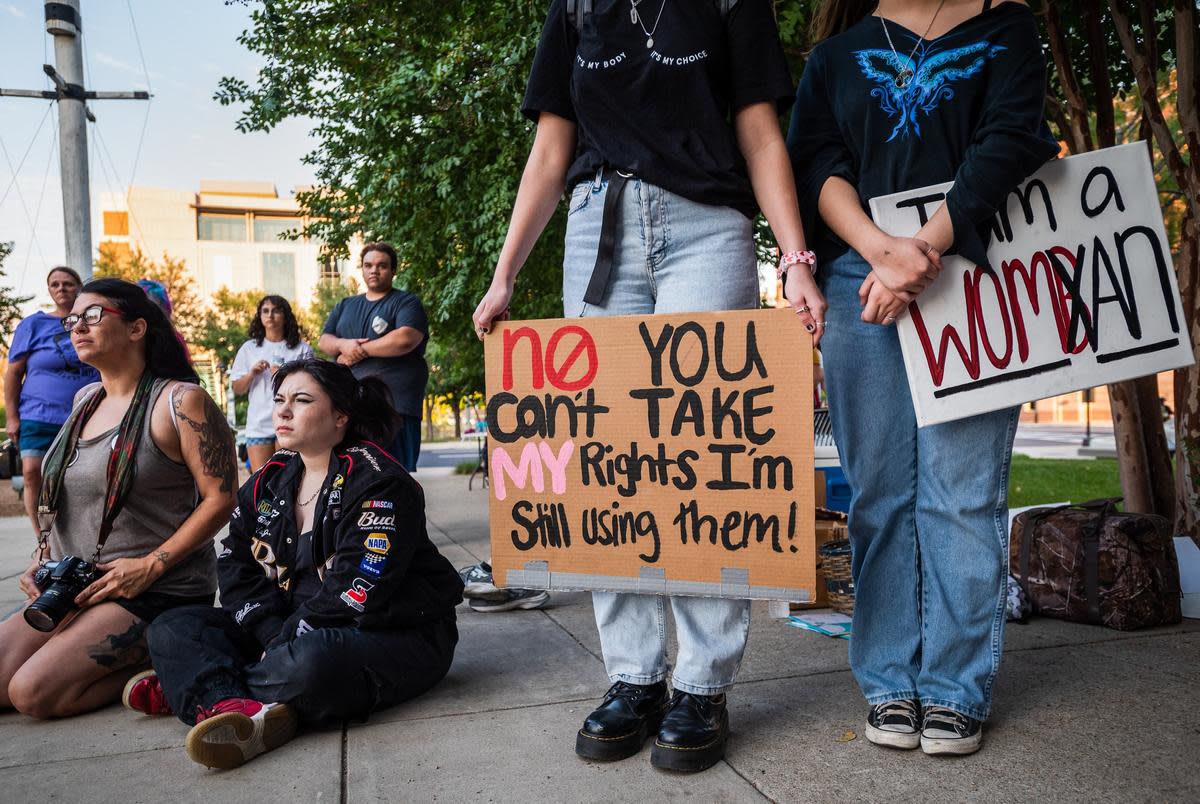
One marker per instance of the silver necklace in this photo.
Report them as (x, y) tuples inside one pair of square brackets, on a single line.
[(905, 76), (636, 17), (313, 497)]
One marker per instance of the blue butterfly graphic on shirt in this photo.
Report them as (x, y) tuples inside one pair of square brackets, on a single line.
[(932, 74)]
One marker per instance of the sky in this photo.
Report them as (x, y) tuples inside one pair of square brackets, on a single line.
[(188, 46)]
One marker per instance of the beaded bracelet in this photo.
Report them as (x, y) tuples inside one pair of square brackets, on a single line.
[(795, 258)]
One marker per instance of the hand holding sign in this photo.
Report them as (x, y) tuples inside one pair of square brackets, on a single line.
[(1080, 291)]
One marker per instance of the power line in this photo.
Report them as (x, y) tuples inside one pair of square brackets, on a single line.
[(37, 213), (27, 150)]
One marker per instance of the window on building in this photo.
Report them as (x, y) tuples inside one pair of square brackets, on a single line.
[(279, 274), (116, 223), (332, 267), (226, 228), (268, 228)]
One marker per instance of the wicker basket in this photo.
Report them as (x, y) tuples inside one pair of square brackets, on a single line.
[(834, 566)]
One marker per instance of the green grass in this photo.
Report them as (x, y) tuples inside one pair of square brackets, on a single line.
[(466, 468), (1034, 481)]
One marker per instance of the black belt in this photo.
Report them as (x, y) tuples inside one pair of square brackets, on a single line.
[(608, 236)]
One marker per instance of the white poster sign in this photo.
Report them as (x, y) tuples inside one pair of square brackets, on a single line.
[(1081, 293)]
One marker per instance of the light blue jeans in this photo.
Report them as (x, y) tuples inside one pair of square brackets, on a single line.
[(672, 255), (928, 518)]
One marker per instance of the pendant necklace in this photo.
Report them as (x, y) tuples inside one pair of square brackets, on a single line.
[(636, 17), (905, 76)]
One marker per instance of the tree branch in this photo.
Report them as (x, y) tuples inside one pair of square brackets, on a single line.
[(1080, 139), (1147, 83), (1186, 77), (1106, 124)]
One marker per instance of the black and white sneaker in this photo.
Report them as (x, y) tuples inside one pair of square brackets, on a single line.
[(949, 732), (895, 724), (511, 599), (478, 584)]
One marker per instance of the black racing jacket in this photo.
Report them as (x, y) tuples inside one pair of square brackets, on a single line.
[(377, 566)]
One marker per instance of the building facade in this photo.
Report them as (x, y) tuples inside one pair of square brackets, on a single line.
[(229, 233)]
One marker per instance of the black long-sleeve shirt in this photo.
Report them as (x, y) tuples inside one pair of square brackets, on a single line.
[(972, 114)]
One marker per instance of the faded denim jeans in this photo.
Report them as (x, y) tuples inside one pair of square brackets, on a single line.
[(671, 255), (928, 518)]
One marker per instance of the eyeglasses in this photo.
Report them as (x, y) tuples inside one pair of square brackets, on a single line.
[(91, 316)]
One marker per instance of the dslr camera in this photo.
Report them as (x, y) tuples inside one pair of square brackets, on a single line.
[(59, 582)]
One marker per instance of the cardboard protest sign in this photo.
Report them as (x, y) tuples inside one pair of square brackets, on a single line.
[(663, 454), (1083, 291)]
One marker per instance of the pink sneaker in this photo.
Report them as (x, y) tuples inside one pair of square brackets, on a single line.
[(236, 730), (144, 694)]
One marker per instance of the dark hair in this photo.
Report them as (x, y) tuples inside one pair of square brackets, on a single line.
[(291, 327), (386, 248), (62, 269), (166, 357), (835, 16), (367, 402)]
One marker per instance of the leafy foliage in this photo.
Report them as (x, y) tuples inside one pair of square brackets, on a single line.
[(10, 302), (223, 326), (421, 142), (326, 295), (187, 307)]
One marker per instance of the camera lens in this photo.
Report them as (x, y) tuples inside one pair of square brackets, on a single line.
[(45, 613)]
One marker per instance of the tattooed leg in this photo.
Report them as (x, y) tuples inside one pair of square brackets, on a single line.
[(118, 651), (83, 665)]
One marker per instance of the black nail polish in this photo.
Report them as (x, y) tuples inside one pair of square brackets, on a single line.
[(809, 327)]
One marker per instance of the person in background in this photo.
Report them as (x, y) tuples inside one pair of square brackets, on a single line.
[(274, 339), (334, 601), (42, 378), (382, 333), (896, 96)]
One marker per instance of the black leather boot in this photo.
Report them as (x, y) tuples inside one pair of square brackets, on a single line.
[(693, 734), (618, 728)]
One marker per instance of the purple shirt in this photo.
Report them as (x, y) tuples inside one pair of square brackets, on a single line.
[(53, 372)]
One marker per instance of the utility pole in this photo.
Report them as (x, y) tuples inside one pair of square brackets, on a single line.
[(64, 23)]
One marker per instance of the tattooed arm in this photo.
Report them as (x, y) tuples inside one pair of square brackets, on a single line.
[(204, 442)]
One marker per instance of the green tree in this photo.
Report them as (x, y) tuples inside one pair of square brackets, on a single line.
[(1124, 71), (421, 142), (325, 296), (187, 307), (10, 302), (222, 327)]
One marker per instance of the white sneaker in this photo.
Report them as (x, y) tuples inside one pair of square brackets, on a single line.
[(237, 730)]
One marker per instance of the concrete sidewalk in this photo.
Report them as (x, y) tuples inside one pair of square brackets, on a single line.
[(1082, 714)]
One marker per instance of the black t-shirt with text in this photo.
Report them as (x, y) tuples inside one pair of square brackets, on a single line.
[(663, 113), (406, 375)]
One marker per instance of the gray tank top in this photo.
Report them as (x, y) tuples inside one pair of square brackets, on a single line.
[(162, 497)]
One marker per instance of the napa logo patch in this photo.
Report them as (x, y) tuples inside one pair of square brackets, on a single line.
[(373, 564), (378, 543)]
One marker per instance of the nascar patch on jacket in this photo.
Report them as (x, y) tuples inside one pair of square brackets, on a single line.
[(373, 564)]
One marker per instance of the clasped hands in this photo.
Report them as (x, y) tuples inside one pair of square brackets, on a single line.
[(352, 351), (901, 269)]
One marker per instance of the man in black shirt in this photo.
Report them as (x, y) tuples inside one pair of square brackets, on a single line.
[(382, 333)]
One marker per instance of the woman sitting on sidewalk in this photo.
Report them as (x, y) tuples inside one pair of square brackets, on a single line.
[(137, 483), (335, 603)]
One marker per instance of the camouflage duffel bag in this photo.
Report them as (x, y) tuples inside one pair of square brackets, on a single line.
[(1091, 563)]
